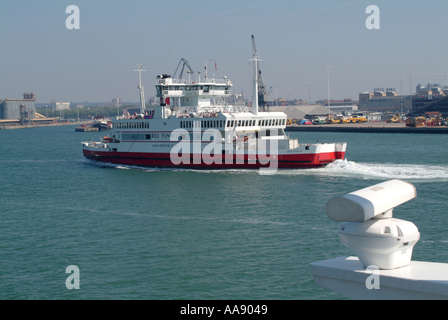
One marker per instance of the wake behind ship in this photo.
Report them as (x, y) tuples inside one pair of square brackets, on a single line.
[(193, 127)]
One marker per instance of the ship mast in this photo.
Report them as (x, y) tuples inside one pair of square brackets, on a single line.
[(255, 95), (263, 97), (140, 87)]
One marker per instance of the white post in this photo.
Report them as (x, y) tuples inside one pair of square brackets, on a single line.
[(255, 98), (255, 94), (410, 87), (328, 71), (309, 92), (142, 94), (276, 97), (401, 98)]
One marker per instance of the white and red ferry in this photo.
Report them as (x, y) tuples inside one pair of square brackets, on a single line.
[(193, 127)]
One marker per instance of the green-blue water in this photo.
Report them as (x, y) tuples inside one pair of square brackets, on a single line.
[(136, 233)]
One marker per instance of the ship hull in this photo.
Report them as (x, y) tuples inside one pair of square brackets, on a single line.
[(198, 161)]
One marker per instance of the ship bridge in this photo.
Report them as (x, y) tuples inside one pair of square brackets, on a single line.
[(187, 93)]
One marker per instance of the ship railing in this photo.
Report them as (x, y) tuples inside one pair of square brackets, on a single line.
[(209, 112), (225, 81), (186, 81), (185, 92), (134, 117), (198, 115), (213, 113)]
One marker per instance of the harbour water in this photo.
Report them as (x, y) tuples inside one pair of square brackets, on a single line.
[(137, 233)]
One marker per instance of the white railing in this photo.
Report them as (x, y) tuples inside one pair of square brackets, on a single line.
[(211, 111), (168, 81)]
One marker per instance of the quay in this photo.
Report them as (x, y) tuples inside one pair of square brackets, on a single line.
[(369, 127), (39, 125), (85, 129)]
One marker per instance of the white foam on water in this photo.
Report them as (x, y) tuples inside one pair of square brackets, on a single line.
[(147, 169), (339, 168), (351, 169)]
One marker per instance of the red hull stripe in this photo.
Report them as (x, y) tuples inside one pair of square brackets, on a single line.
[(163, 160)]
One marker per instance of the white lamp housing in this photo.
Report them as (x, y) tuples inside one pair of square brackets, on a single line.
[(376, 201), (369, 230)]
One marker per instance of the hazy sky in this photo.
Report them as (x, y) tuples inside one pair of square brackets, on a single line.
[(296, 39)]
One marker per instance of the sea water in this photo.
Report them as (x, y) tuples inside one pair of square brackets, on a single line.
[(139, 233)]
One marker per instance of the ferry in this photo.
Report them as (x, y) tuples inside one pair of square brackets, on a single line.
[(194, 127)]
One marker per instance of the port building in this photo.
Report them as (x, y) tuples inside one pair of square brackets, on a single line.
[(11, 109), (381, 100), (55, 106), (429, 98), (337, 103), (116, 102), (21, 112)]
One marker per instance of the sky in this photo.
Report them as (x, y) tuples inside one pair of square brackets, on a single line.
[(296, 40)]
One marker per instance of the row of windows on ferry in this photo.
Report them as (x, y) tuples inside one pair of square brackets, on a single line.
[(207, 124), (190, 88), (232, 123), (261, 123), (131, 125)]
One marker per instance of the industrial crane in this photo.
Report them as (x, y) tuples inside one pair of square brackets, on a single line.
[(263, 97), (185, 63)]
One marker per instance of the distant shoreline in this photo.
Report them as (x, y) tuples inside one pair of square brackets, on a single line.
[(369, 127), (42, 125)]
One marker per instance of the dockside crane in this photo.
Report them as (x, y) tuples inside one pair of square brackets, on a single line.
[(185, 64), (263, 97)]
